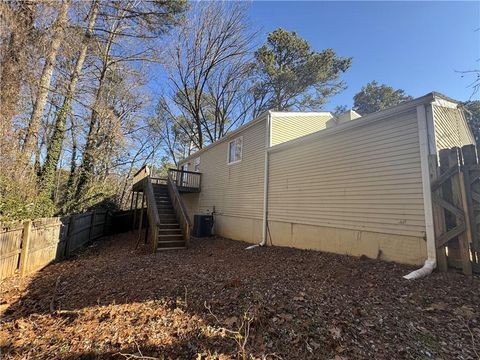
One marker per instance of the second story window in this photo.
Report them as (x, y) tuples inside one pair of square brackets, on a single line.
[(235, 150)]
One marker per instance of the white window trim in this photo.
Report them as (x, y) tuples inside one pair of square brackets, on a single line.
[(228, 151), (196, 163)]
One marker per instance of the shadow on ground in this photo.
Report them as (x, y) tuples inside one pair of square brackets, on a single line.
[(113, 298)]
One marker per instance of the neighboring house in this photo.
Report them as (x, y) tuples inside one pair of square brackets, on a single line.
[(350, 185)]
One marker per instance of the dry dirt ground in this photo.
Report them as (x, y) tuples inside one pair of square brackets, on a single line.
[(218, 300)]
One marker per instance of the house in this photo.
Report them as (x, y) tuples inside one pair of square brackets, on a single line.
[(351, 184)]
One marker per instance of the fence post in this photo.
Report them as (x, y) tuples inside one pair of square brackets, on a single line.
[(471, 188), (71, 232), (438, 215), (460, 250), (27, 229), (92, 226), (105, 222)]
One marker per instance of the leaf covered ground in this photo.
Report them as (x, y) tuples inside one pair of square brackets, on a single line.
[(218, 300)]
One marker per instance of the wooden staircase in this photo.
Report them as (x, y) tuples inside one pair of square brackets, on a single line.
[(169, 225), (170, 235)]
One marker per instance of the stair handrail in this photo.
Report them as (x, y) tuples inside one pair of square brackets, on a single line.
[(179, 207), (143, 181)]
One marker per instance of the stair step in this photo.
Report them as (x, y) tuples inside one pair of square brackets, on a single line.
[(170, 232), (171, 242), (169, 226), (165, 209), (168, 237), (172, 248)]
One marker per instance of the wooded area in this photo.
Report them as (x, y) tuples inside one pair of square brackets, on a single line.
[(92, 91)]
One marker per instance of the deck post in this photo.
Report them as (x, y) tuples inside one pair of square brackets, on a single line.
[(140, 222), (135, 194)]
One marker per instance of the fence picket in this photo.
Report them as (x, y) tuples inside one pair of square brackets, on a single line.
[(27, 247)]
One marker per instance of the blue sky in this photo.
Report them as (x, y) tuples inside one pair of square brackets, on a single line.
[(415, 46)]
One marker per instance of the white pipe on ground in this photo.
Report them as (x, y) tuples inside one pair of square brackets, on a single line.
[(427, 269), (265, 185)]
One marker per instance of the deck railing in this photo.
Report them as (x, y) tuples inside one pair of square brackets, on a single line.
[(143, 182), (152, 212), (186, 180), (141, 174)]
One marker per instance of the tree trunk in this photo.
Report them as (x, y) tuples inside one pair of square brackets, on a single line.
[(85, 171), (56, 141), (13, 64), (31, 137)]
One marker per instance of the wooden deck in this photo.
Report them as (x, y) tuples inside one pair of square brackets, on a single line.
[(186, 181)]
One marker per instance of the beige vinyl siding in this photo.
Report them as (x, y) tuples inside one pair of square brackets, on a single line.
[(234, 189), (361, 178), (289, 126), (451, 128)]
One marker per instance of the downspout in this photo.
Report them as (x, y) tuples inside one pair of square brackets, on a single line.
[(268, 143), (426, 133)]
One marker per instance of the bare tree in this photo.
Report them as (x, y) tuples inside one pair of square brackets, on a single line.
[(136, 25), (21, 17), (58, 28), (56, 140), (209, 73)]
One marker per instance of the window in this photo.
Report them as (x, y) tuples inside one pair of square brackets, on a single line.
[(197, 164), (235, 150)]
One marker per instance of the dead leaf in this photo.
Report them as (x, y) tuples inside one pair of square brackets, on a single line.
[(465, 311), (335, 332), (437, 306)]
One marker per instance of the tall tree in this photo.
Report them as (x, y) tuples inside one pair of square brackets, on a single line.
[(121, 21), (58, 28), (55, 145), (293, 76), (13, 62), (374, 97), (210, 72)]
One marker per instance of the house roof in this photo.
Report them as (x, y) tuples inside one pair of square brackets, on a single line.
[(405, 106), (428, 98)]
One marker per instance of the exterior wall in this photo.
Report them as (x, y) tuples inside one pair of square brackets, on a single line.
[(388, 247), (357, 190), (289, 126), (235, 190), (239, 228), (451, 128)]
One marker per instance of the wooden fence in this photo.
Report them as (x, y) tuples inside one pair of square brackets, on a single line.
[(456, 208), (28, 246)]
